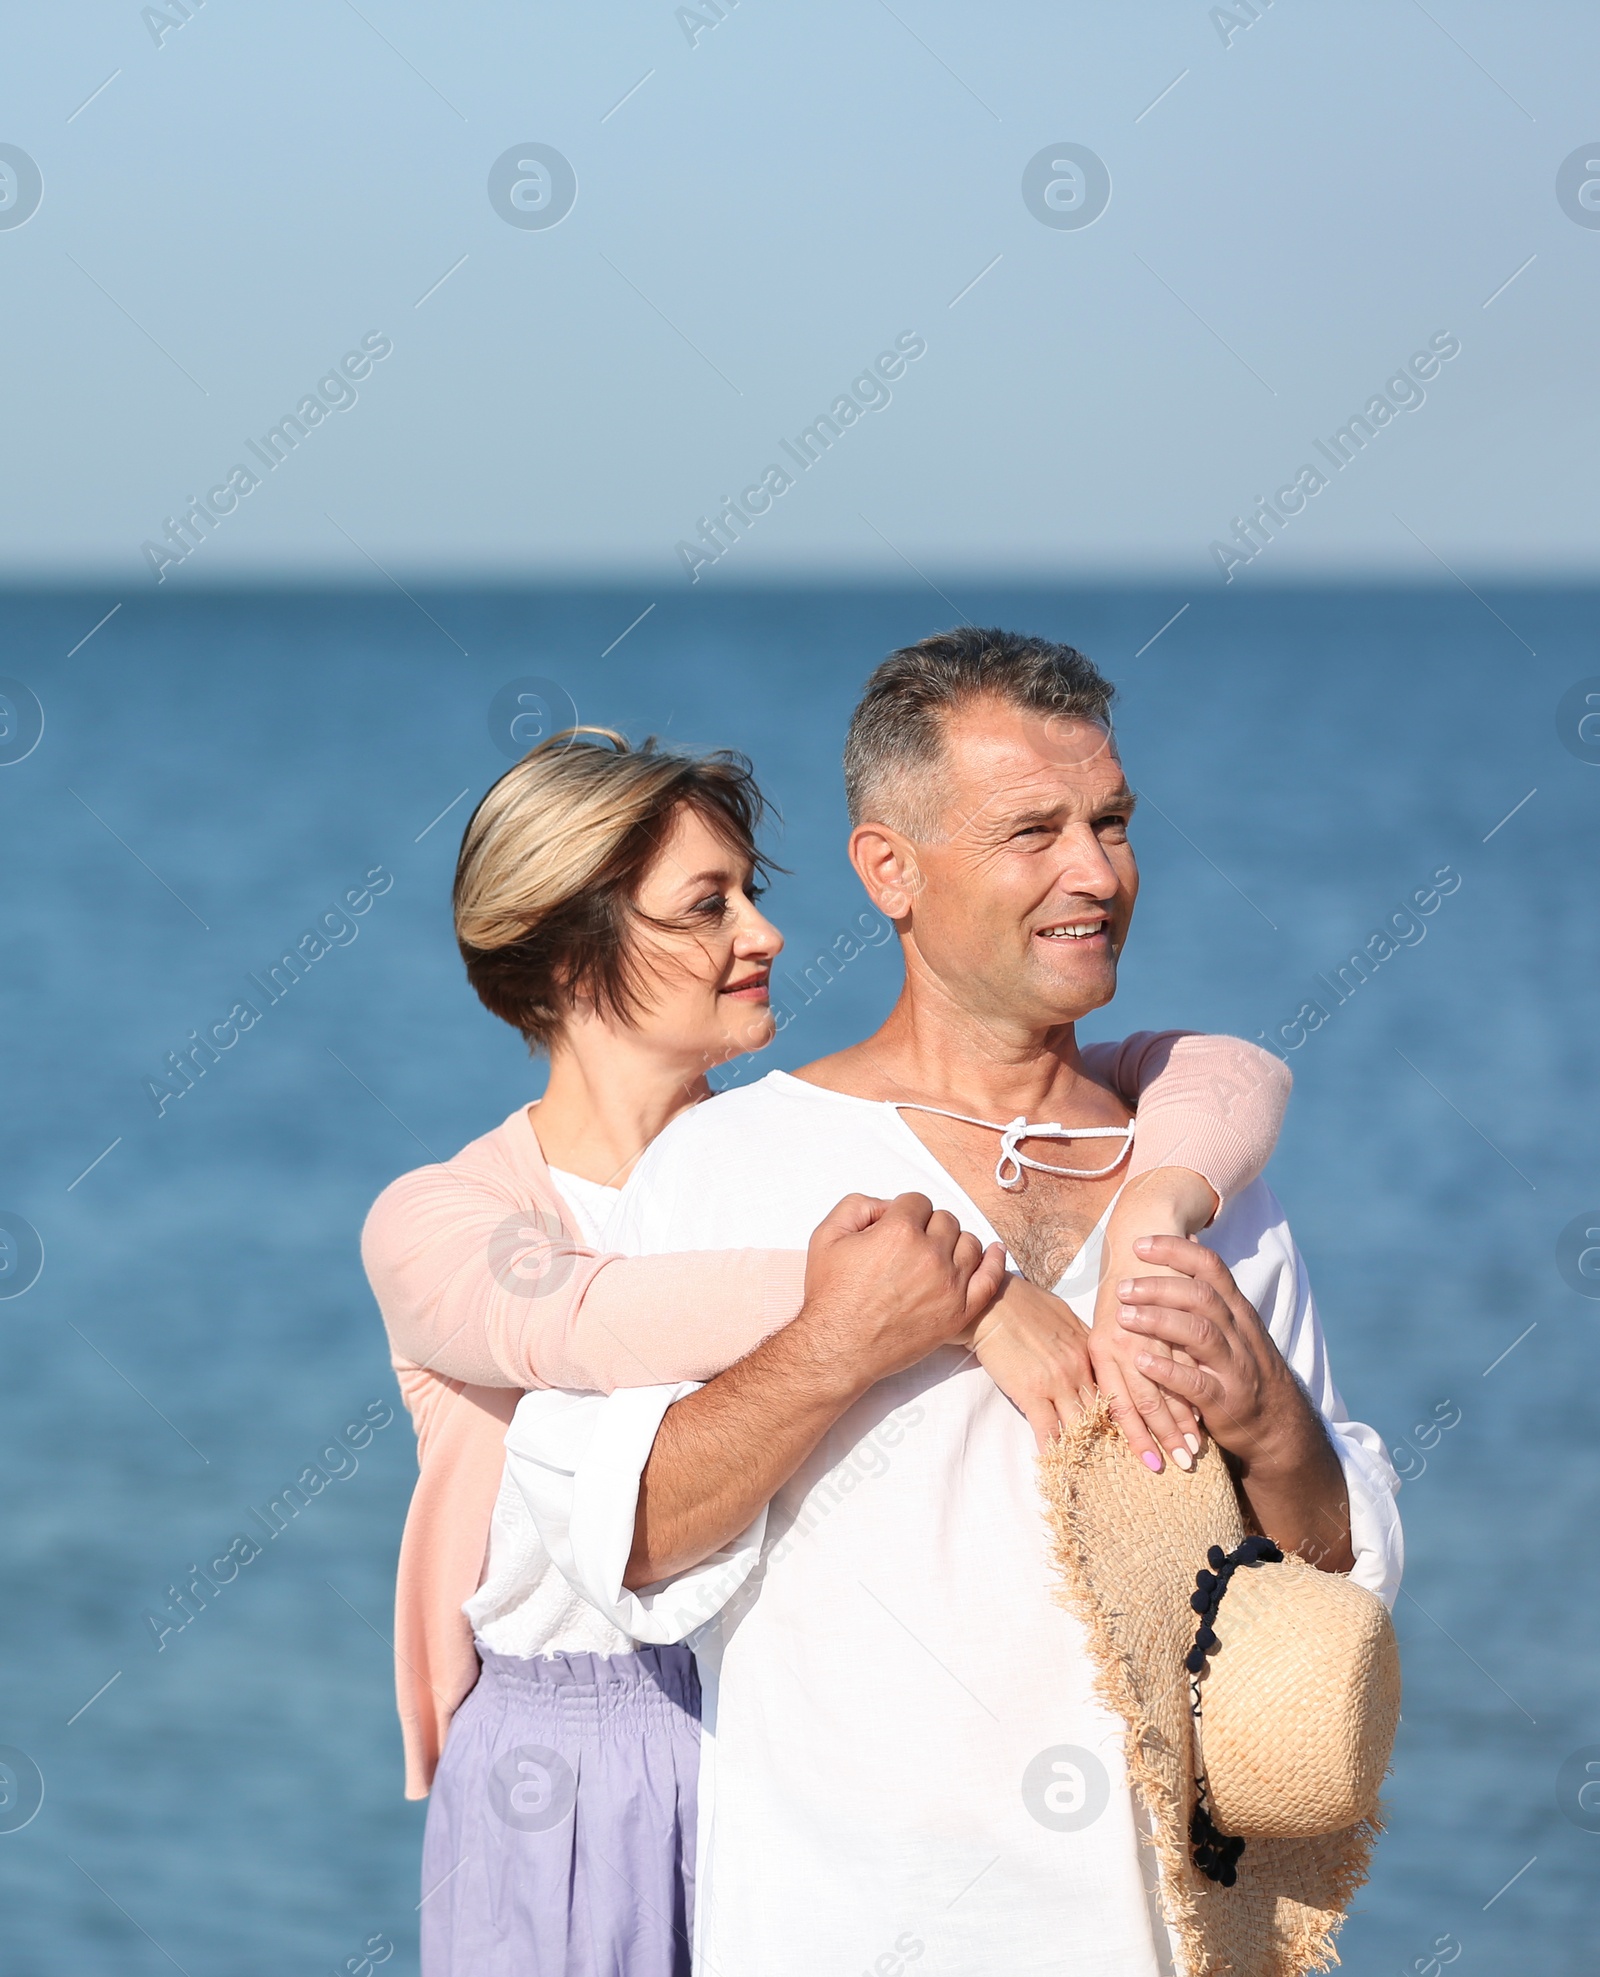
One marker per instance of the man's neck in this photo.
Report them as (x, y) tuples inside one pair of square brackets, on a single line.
[(931, 1051)]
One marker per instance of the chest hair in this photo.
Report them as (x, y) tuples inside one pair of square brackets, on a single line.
[(1047, 1219)]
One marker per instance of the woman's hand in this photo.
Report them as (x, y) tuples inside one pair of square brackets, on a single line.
[(1048, 1363), (1036, 1350), (1170, 1201)]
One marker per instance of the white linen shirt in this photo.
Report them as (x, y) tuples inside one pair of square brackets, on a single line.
[(888, 1674)]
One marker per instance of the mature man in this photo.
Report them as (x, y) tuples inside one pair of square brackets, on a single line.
[(847, 1523)]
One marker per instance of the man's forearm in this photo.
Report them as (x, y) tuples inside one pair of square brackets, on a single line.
[(1299, 1499), (724, 1452), (885, 1286)]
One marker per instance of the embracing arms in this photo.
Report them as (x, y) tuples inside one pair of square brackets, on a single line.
[(477, 1283), (1313, 1481)]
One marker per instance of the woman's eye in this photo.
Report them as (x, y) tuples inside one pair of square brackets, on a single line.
[(714, 905), (753, 892)]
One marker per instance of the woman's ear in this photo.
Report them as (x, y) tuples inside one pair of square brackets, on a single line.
[(886, 864)]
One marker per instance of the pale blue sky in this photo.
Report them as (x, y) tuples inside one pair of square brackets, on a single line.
[(772, 207)]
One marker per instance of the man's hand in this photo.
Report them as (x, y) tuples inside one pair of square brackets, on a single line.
[(1234, 1376), (889, 1282), (1036, 1350), (1168, 1201), (886, 1284)]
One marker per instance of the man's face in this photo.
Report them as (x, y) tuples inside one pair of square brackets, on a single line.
[(1026, 894)]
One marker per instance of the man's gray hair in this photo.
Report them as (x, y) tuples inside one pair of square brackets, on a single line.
[(897, 733)]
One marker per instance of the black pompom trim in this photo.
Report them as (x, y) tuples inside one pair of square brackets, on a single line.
[(1215, 1854)]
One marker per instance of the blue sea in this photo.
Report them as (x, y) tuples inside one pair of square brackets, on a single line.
[(218, 774)]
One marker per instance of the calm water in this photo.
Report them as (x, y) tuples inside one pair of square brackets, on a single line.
[(216, 773)]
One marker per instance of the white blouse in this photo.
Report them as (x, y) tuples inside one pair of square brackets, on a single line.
[(523, 1605)]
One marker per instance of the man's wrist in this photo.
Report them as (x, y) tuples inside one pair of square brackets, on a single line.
[(1290, 1446), (819, 1339)]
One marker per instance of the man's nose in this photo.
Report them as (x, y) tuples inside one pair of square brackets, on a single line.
[(1085, 869)]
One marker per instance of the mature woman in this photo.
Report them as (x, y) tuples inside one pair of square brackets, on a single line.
[(605, 904)]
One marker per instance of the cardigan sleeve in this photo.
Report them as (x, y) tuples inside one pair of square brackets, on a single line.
[(477, 1280), (1212, 1104)]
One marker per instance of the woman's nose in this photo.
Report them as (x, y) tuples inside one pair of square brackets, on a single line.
[(756, 936)]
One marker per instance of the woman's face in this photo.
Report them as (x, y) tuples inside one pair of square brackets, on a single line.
[(706, 975)]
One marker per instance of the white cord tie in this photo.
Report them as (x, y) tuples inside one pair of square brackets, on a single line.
[(1013, 1158)]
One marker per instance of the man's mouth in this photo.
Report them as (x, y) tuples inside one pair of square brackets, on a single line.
[(1077, 930), (750, 988)]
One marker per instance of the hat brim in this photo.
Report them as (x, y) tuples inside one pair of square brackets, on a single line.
[(1127, 1543)]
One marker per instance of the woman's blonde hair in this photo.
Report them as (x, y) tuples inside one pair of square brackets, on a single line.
[(551, 862)]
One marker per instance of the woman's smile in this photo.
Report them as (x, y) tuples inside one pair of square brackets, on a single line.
[(750, 988)]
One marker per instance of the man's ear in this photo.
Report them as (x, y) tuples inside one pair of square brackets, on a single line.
[(887, 865)]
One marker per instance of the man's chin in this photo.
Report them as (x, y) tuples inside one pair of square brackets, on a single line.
[(1070, 993)]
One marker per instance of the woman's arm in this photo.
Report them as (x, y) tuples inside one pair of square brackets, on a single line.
[(479, 1283), (1213, 1105), (1209, 1111)]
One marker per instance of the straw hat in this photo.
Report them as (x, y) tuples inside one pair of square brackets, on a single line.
[(1261, 1704)]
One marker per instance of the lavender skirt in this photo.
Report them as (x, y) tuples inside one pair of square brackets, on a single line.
[(560, 1836)]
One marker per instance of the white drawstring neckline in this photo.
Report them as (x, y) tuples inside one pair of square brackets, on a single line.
[(1011, 1155)]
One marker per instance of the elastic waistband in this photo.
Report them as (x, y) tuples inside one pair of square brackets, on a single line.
[(582, 1684)]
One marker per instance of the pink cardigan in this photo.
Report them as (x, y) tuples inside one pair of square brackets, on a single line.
[(467, 1340)]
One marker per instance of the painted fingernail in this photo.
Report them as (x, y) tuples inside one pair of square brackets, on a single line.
[(1193, 1443), (1183, 1458), (1125, 1287), (1152, 1460)]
